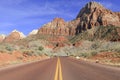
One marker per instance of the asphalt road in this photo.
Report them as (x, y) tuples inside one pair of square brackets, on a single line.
[(80, 70), (62, 68)]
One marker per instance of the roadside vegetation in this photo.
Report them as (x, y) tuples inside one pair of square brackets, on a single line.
[(108, 33), (102, 51), (14, 54)]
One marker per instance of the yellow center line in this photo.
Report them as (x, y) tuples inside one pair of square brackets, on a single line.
[(58, 72)]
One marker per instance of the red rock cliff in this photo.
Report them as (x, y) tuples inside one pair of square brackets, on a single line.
[(92, 15)]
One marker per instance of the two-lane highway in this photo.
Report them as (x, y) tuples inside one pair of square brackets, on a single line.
[(62, 68)]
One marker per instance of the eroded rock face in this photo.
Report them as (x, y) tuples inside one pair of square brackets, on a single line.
[(94, 14), (56, 27), (14, 36), (59, 27)]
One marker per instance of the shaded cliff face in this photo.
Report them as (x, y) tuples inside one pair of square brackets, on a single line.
[(92, 15)]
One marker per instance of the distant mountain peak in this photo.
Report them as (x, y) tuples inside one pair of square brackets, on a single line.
[(15, 30), (3, 36), (14, 36), (94, 14), (90, 8), (58, 19), (94, 4), (21, 34), (55, 23), (35, 31)]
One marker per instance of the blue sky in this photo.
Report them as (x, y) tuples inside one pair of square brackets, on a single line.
[(26, 15)]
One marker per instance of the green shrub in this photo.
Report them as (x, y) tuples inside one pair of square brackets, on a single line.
[(93, 53), (40, 48), (83, 55), (95, 45)]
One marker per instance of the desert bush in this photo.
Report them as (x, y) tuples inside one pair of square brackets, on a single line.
[(28, 52), (40, 48), (95, 45), (93, 53), (87, 55), (83, 55), (117, 50), (9, 48)]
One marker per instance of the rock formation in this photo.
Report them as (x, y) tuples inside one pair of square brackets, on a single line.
[(56, 27), (14, 36), (92, 15)]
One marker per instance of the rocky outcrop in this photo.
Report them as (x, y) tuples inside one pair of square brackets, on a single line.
[(56, 27), (118, 13), (14, 36), (2, 37), (59, 27), (94, 14)]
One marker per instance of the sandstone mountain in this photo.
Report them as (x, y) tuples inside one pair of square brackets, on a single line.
[(59, 27), (94, 14), (14, 36), (91, 16), (55, 27)]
